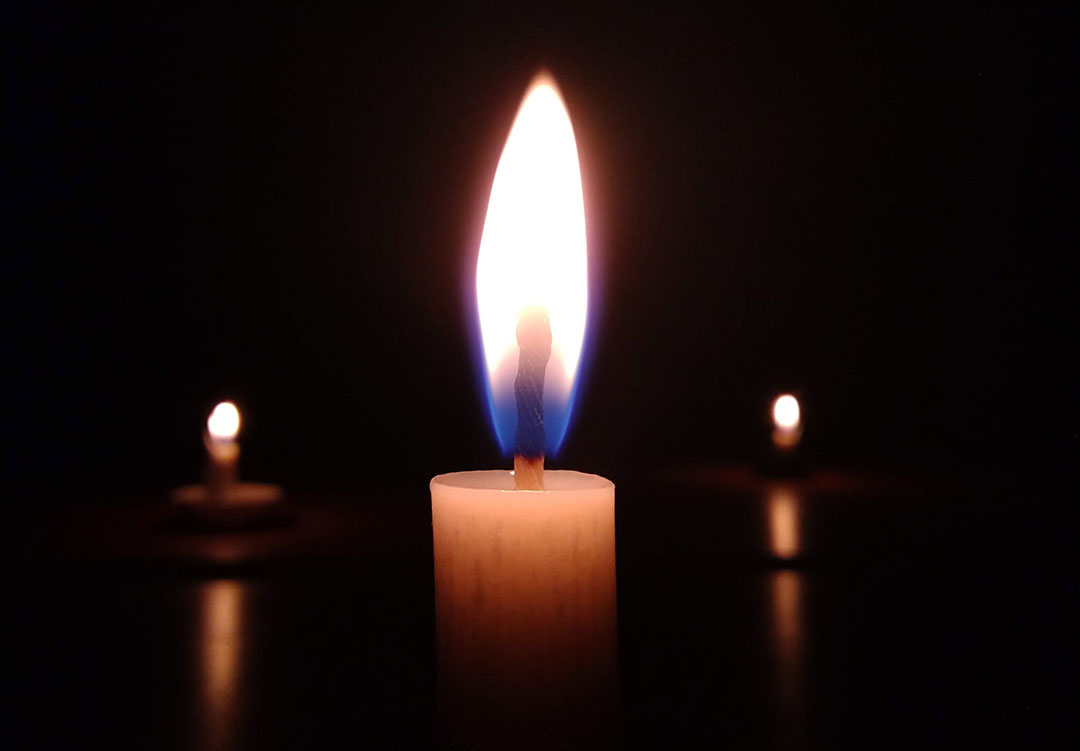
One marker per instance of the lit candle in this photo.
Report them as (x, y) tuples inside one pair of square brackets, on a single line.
[(787, 422), (222, 450), (525, 559), (222, 499)]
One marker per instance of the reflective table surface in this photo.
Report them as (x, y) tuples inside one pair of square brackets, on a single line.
[(825, 610)]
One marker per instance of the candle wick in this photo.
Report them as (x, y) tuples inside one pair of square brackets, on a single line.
[(534, 351)]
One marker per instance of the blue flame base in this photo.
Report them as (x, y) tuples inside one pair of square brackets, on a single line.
[(558, 407)]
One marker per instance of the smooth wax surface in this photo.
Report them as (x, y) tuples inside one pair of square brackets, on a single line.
[(525, 599)]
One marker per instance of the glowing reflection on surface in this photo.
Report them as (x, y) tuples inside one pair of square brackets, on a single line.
[(787, 613), (222, 608), (783, 511), (788, 629)]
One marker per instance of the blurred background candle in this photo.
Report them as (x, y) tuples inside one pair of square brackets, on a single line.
[(525, 579), (223, 452), (787, 422), (222, 500)]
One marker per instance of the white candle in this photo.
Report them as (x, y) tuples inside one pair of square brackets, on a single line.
[(524, 600)]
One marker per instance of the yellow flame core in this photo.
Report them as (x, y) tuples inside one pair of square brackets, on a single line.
[(786, 411), (532, 251), (224, 422)]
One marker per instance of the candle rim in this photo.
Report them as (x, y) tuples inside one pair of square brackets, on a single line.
[(501, 481)]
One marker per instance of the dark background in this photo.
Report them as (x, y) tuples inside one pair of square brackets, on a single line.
[(871, 206)]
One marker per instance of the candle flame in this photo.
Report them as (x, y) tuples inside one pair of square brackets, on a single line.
[(532, 254), (224, 422), (785, 412)]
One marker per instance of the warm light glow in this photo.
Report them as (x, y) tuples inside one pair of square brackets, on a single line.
[(788, 629), (532, 253), (222, 641), (787, 596), (783, 523), (785, 412), (224, 422), (222, 618)]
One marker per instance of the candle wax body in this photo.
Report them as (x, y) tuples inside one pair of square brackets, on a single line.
[(222, 459), (525, 602)]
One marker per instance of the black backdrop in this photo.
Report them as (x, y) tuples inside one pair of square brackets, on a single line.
[(870, 206)]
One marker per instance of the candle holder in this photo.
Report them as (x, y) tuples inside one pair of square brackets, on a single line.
[(242, 505)]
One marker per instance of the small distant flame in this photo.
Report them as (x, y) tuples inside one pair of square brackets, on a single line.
[(785, 412), (224, 422), (787, 422), (532, 254)]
